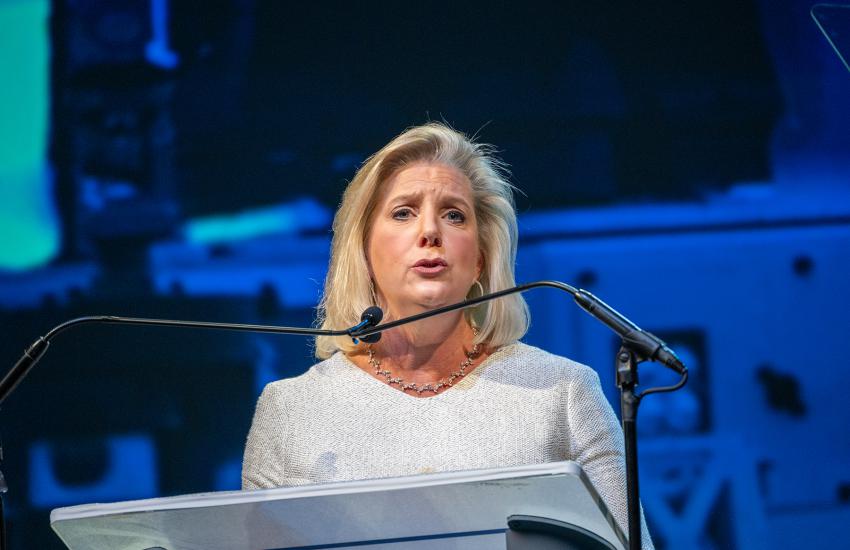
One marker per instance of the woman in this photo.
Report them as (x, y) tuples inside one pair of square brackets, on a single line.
[(426, 222)]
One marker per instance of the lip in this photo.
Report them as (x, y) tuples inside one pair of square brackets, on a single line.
[(430, 262), (430, 266)]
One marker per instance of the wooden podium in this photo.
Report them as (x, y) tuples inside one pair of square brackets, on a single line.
[(453, 510)]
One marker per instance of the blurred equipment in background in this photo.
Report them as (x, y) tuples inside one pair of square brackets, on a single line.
[(756, 299), (114, 135)]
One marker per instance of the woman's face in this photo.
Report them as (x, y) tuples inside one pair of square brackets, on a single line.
[(423, 241)]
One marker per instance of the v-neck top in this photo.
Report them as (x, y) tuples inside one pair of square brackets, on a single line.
[(521, 405)]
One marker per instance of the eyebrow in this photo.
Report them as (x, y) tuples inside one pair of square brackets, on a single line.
[(450, 197)]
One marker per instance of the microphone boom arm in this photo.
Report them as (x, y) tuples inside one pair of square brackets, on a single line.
[(32, 355), (646, 345)]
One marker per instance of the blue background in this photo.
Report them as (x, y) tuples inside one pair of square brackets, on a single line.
[(687, 163)]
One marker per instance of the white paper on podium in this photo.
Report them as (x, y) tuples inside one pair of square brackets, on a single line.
[(452, 510)]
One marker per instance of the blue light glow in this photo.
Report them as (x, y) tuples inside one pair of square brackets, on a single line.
[(304, 214)]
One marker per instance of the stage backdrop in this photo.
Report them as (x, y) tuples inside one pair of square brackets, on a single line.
[(687, 162)]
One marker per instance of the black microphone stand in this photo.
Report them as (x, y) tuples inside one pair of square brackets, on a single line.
[(637, 346)]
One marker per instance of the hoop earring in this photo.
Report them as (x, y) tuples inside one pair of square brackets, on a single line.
[(480, 286), (471, 313)]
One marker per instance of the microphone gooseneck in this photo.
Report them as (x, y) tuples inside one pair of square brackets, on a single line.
[(645, 344), (37, 349)]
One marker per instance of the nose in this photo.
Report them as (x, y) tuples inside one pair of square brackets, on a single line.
[(430, 232)]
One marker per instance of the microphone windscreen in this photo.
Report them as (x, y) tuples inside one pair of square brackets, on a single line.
[(373, 315)]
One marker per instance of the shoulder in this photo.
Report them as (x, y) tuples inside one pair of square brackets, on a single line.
[(316, 378), (530, 363), (524, 356)]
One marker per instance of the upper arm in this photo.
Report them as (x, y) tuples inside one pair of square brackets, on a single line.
[(596, 443), (596, 440), (263, 463)]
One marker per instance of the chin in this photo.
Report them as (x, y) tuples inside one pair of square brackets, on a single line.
[(433, 294)]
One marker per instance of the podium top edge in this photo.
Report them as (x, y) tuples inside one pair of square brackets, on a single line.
[(224, 498)]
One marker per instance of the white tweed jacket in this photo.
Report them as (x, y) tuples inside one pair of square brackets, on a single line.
[(521, 405)]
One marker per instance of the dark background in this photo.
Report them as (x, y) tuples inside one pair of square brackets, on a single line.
[(686, 161)]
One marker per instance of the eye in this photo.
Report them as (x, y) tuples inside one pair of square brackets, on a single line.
[(402, 214), (456, 216)]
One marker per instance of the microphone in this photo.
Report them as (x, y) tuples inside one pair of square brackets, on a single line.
[(370, 317), (645, 344)]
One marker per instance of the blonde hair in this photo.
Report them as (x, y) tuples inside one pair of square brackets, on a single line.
[(348, 286)]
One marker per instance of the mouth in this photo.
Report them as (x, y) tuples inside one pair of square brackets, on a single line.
[(430, 266), (430, 262)]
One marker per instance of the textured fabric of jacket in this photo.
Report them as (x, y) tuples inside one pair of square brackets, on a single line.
[(521, 405)]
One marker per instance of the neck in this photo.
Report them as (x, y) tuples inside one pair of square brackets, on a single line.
[(427, 349)]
